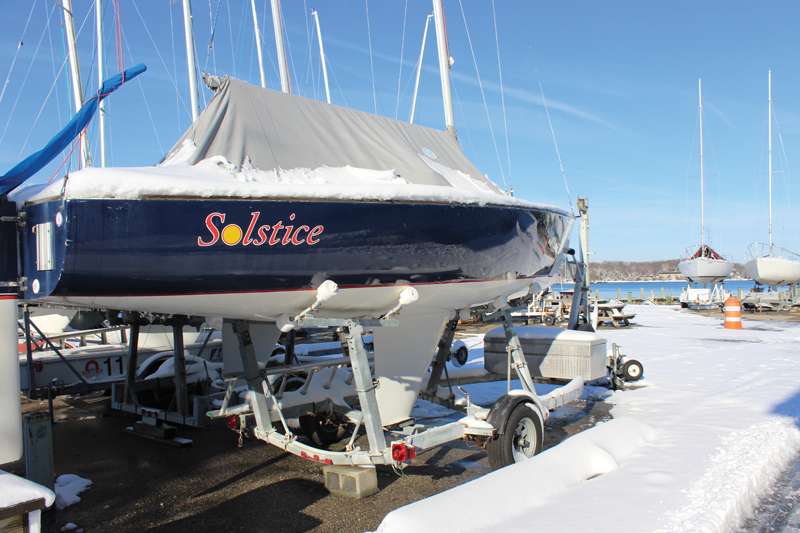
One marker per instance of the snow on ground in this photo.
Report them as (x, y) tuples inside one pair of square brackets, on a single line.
[(692, 447), (68, 487)]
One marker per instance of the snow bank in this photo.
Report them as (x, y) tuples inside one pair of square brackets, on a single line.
[(513, 494), (68, 487), (726, 407)]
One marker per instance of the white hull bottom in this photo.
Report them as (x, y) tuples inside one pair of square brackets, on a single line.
[(705, 270), (402, 353), (773, 271)]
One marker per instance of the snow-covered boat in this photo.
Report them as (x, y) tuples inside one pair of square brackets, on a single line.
[(704, 265), (270, 194), (764, 263)]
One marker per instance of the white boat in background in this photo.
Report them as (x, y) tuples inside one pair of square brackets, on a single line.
[(704, 265), (764, 263)]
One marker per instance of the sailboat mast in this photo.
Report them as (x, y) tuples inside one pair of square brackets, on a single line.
[(282, 63), (702, 179), (419, 70), (770, 161), (444, 66), (322, 57), (101, 74), (190, 58), (76, 74), (258, 44)]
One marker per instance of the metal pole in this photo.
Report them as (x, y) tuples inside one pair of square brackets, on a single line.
[(76, 74), (190, 58), (101, 71), (322, 57), (444, 66), (181, 396), (770, 161), (419, 70), (283, 67), (130, 375), (702, 183), (258, 43)]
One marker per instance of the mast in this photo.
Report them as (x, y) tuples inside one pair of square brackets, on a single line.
[(76, 75), (258, 44), (322, 57), (190, 58), (419, 70), (282, 64), (770, 161), (444, 66), (101, 108), (702, 182)]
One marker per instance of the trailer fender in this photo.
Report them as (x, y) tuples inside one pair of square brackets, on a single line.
[(503, 406)]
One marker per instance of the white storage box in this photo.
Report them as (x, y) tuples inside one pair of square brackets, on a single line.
[(551, 353)]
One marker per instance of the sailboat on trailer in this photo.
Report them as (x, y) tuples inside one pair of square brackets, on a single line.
[(704, 265), (764, 264)]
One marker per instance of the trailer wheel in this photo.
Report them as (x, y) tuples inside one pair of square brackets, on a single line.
[(460, 356), (549, 320), (323, 430), (522, 438), (632, 370)]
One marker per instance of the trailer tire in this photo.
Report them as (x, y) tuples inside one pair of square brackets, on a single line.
[(632, 370), (323, 430), (520, 439), (460, 356), (549, 320)]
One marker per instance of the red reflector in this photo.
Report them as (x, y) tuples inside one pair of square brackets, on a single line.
[(402, 453), (39, 366), (316, 458), (232, 422)]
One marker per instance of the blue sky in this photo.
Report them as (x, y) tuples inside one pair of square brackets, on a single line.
[(620, 79)]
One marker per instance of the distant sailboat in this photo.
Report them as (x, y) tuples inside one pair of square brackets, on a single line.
[(705, 265), (763, 265)]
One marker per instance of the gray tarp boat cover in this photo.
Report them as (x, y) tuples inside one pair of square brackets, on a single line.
[(282, 131)]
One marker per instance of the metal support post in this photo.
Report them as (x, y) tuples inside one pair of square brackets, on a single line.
[(253, 377), (441, 357), (517, 356), (130, 375), (365, 387), (39, 448), (29, 352), (181, 395)]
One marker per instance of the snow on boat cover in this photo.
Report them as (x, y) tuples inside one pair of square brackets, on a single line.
[(375, 204)]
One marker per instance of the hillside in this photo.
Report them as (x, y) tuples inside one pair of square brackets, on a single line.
[(645, 270)]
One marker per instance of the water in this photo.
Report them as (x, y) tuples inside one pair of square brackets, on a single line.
[(673, 288)]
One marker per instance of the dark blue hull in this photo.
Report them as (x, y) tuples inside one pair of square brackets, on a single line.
[(161, 247)]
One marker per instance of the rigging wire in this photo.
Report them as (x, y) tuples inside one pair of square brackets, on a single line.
[(485, 105), (33, 5), (21, 89), (786, 163), (344, 99), (464, 120), (175, 67), (400, 74), (503, 98), (549, 120), (174, 84), (309, 37), (53, 62), (291, 56), (237, 71), (371, 67), (688, 167), (230, 32), (146, 105), (210, 48)]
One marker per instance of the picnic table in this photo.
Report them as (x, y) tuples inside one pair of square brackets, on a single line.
[(612, 312)]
